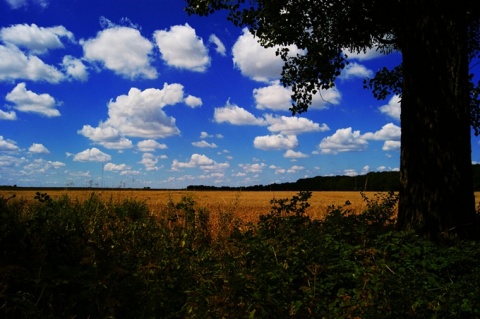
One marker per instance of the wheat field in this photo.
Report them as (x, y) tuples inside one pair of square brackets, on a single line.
[(246, 206)]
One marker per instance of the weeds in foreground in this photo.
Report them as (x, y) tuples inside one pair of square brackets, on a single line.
[(103, 259)]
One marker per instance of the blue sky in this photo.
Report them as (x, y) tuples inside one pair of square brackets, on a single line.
[(120, 93)]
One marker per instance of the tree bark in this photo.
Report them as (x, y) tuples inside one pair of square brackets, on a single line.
[(436, 197)]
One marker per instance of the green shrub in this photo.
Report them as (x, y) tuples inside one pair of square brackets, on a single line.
[(106, 259)]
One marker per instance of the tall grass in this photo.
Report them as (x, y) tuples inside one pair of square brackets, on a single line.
[(96, 258)]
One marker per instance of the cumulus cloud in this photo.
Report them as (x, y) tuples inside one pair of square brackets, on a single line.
[(295, 169), (199, 161), (9, 116), (235, 115), (203, 144), (343, 140), (14, 65), (252, 168), (265, 66), (138, 114), (392, 109), (220, 48), (278, 98), (182, 48), (38, 149), (92, 155), (42, 166), (123, 50), (150, 146), (391, 145), (293, 125), (74, 68), (355, 70), (28, 101), (292, 154), (8, 145), (324, 98), (150, 161), (274, 97), (37, 40), (193, 101), (116, 168), (275, 142), (388, 132)]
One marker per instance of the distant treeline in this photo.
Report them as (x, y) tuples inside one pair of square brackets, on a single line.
[(374, 181)]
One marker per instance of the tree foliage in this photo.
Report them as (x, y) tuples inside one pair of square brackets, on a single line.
[(326, 31)]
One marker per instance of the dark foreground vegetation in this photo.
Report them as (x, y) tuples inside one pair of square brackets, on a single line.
[(62, 258)]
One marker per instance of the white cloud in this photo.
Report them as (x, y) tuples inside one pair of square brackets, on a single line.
[(278, 170), (256, 62), (236, 115), (278, 98), (38, 149), (150, 161), (123, 50), (220, 48), (293, 154), (100, 134), (199, 161), (138, 114), (28, 101), (181, 48), (343, 140), (203, 144), (355, 70), (388, 132), (14, 64), (74, 68), (9, 116), (391, 145), (37, 40), (275, 142), (252, 168), (293, 125), (350, 172), (150, 146), (17, 4), (205, 135), (193, 101), (116, 168), (92, 155), (392, 109), (324, 98), (7, 145), (295, 169), (120, 144), (42, 166), (274, 97)]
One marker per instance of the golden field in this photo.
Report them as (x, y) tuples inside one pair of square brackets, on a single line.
[(243, 205)]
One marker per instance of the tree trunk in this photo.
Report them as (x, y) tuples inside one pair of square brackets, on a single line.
[(436, 197)]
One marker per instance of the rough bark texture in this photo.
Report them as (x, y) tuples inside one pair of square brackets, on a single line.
[(436, 197)]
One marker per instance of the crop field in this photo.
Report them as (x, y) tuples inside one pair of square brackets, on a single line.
[(245, 206)]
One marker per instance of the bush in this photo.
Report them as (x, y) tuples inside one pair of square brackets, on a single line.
[(102, 259)]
